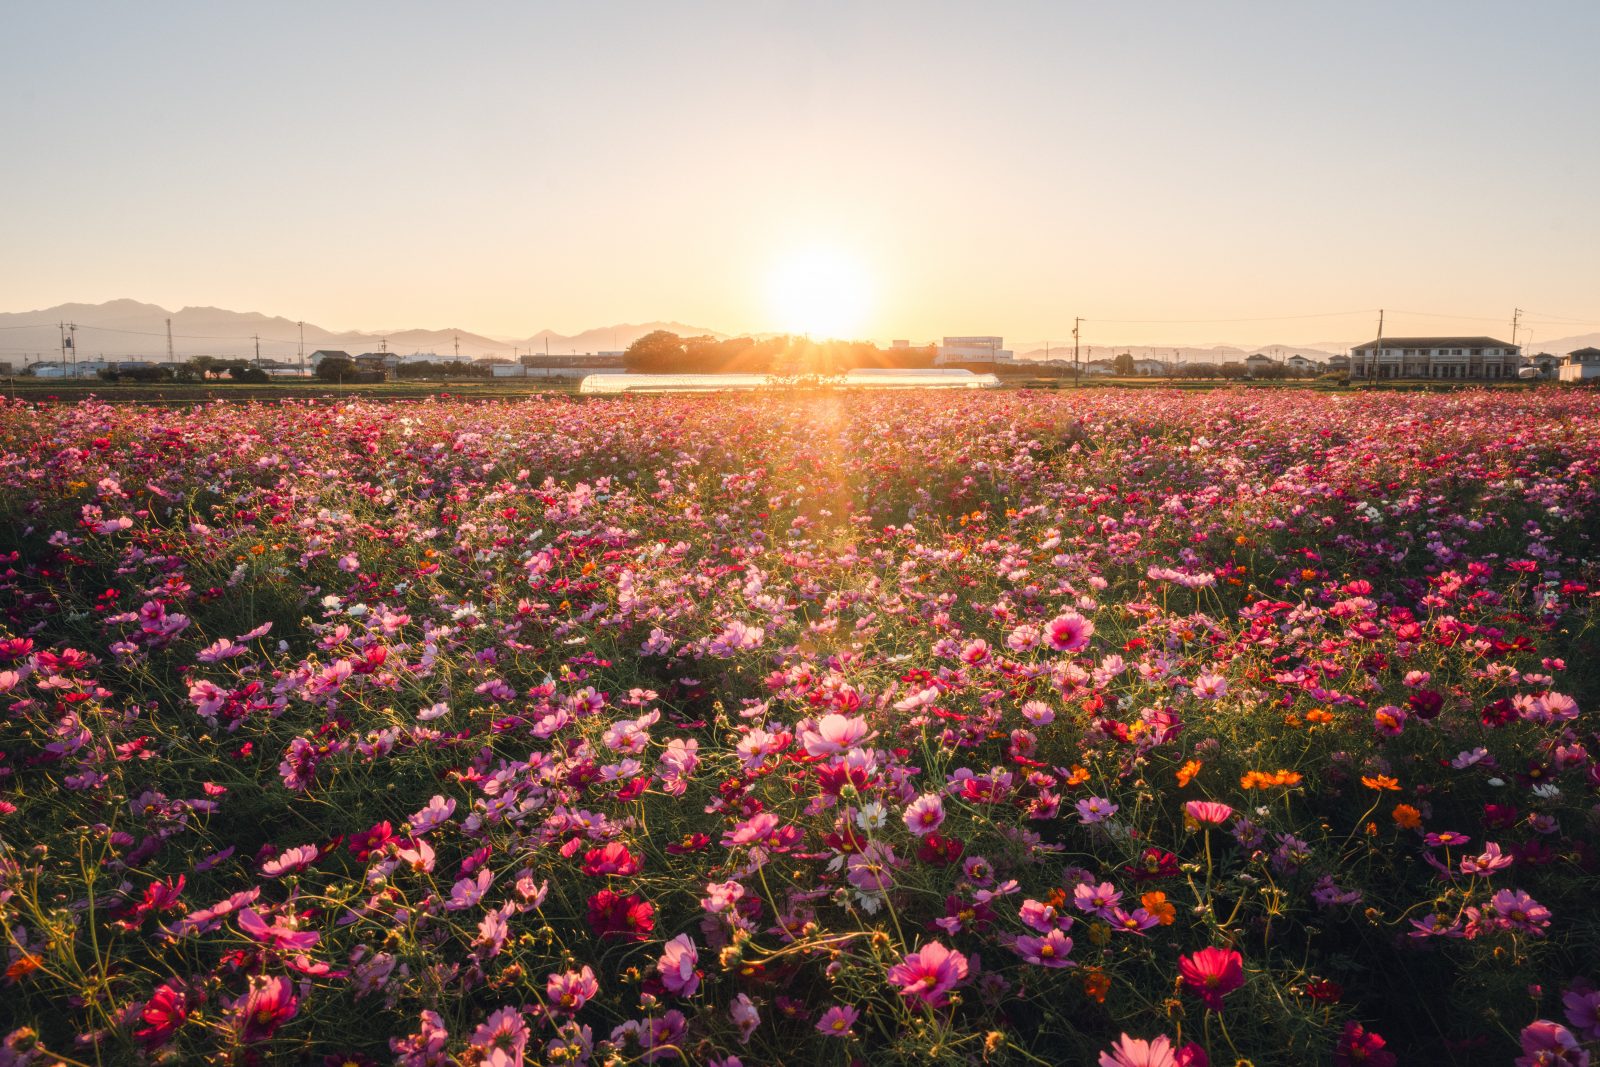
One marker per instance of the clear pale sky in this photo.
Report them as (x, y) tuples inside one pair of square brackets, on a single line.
[(970, 168)]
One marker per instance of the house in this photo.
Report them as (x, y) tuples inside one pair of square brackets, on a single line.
[(1259, 365), (1449, 358), (1302, 366), (327, 353), (1338, 363), (1581, 366), (384, 364)]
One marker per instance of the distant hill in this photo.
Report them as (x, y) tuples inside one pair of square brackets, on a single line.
[(129, 328)]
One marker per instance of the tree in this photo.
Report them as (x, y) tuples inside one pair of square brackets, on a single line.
[(657, 352), (336, 369), (254, 375), (1123, 365)]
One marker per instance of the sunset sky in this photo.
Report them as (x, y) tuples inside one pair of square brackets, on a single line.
[(873, 169)]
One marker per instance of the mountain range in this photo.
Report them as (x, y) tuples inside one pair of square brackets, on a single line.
[(129, 328)]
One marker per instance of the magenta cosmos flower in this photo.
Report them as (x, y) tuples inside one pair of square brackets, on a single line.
[(269, 1003), (1068, 632), (929, 973), (1213, 973)]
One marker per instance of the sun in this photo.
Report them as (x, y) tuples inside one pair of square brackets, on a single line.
[(820, 292)]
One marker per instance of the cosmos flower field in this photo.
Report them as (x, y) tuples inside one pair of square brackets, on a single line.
[(1130, 728)]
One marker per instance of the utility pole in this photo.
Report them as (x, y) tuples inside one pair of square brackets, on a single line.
[(1077, 373), (302, 348), (1377, 353), (170, 358), (1516, 317), (458, 348), (258, 349), (72, 343), (63, 328)]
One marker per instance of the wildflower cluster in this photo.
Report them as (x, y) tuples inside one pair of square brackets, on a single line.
[(1136, 728)]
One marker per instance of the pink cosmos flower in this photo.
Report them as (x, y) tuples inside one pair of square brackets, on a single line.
[(929, 973), (1157, 1052), (834, 734), (1208, 811), (925, 814), (1210, 686), (289, 861), (677, 964), (1095, 809), (1549, 1044), (270, 1003), (280, 935), (1212, 973), (1068, 632), (503, 1037), (1582, 1006), (1048, 951), (569, 991), (837, 1020), (745, 1016)]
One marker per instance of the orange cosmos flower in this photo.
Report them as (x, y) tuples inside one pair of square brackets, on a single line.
[(1407, 817), (1380, 782), (1155, 902), (1187, 772)]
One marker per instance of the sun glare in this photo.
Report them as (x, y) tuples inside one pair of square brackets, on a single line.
[(820, 292)]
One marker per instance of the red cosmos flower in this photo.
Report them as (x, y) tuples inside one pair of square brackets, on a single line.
[(613, 858), (1360, 1047), (690, 843), (614, 915), (1152, 864), (1426, 704), (162, 1015), (939, 850), (1212, 973), (364, 844)]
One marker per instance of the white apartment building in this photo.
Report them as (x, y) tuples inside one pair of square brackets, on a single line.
[(973, 350), (1453, 358)]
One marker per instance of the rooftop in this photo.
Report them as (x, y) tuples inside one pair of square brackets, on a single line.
[(1435, 342)]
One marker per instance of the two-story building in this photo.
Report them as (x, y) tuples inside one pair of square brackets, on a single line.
[(1582, 365), (1449, 358)]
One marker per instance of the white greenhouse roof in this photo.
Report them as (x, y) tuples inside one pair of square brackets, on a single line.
[(891, 378)]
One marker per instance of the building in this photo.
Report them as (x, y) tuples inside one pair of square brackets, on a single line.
[(327, 353), (385, 365), (1302, 366), (972, 350), (1581, 366), (1450, 358), (1258, 365), (1541, 366)]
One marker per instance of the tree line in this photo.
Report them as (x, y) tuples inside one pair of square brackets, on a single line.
[(664, 352)]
